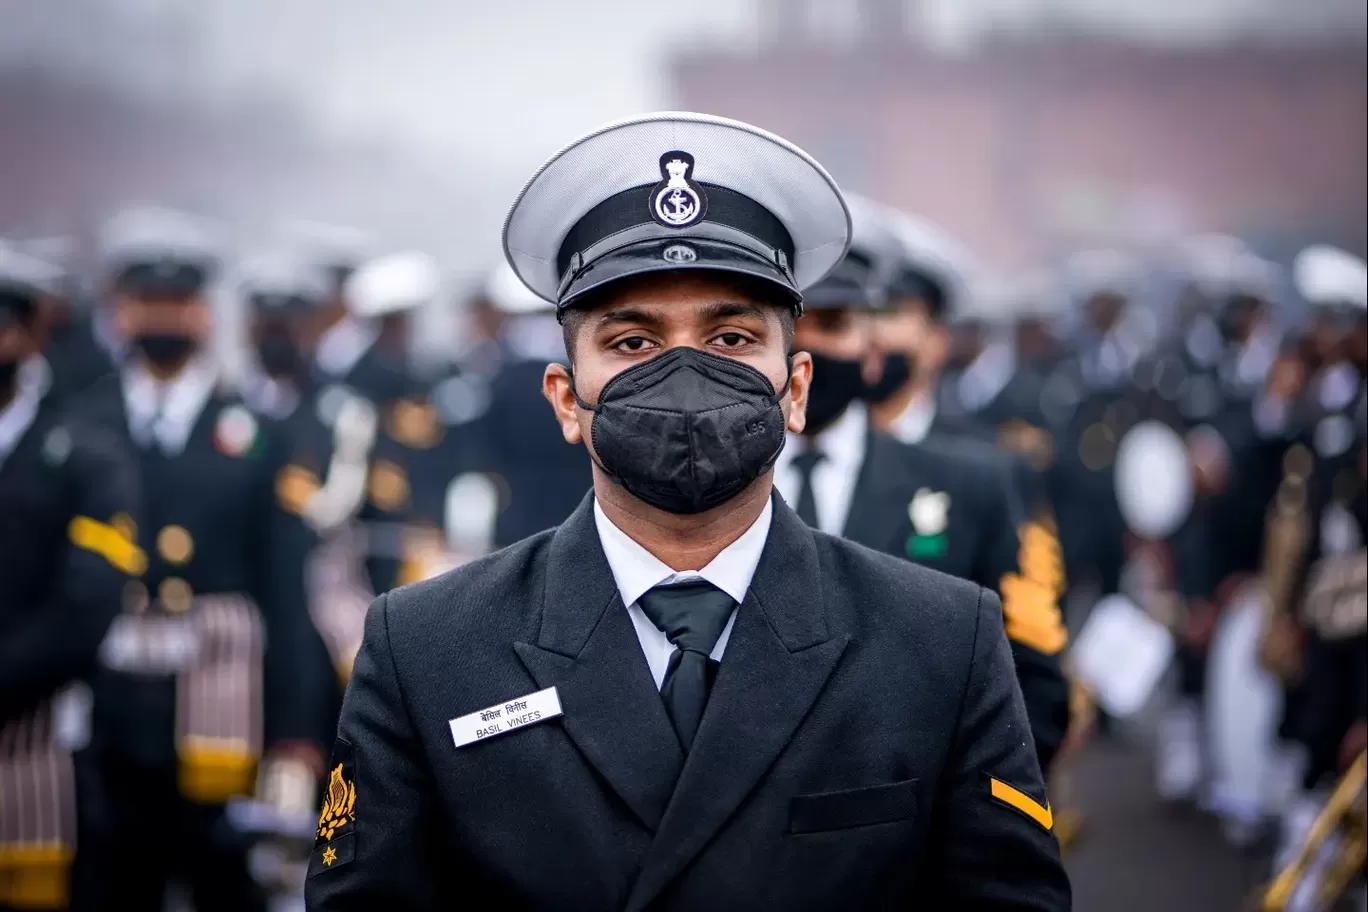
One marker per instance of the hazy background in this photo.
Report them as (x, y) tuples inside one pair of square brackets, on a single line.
[(421, 118)]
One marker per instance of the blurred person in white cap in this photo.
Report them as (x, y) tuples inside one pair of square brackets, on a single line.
[(66, 485), (1327, 707), (363, 356), (540, 476), (72, 350), (951, 505), (207, 691), (684, 697)]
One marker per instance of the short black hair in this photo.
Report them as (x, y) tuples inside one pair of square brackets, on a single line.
[(757, 290)]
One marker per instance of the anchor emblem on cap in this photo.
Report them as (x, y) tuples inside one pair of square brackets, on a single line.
[(677, 201)]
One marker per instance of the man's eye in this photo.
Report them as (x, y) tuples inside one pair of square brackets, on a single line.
[(632, 344), (731, 340)]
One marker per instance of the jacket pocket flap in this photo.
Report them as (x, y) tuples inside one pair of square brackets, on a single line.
[(853, 807)]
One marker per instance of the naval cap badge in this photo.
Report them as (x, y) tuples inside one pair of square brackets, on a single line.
[(678, 201), (679, 253)]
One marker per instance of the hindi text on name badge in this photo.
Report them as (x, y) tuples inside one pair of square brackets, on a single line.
[(519, 712)]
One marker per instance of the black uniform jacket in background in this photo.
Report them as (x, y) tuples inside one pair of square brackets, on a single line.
[(64, 558), (864, 746), (982, 542), (241, 540), (545, 477)]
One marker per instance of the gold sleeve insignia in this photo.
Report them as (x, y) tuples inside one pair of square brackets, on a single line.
[(1030, 597), (1019, 800), (108, 542), (339, 805)]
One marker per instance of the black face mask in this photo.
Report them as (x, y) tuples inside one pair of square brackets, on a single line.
[(896, 372), (687, 430), (165, 349), (279, 356), (836, 383)]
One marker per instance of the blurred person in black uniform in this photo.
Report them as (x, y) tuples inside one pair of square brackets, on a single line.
[(68, 490), (208, 688), (928, 321), (840, 718), (323, 481), (75, 353), (363, 352), (541, 477), (1327, 703), (949, 504)]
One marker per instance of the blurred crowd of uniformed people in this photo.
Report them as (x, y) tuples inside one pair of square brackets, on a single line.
[(188, 558)]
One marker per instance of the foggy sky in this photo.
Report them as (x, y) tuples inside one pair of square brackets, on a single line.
[(481, 90)]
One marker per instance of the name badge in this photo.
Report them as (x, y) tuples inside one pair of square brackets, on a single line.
[(506, 717)]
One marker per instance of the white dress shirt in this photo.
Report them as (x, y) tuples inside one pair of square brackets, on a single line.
[(915, 422), (636, 571), (17, 417), (833, 479), (986, 376), (343, 344), (166, 412)]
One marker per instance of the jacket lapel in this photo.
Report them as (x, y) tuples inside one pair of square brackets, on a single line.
[(777, 662), (588, 650), (878, 508)]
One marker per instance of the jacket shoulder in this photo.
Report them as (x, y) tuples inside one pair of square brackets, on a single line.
[(492, 596), (891, 589)]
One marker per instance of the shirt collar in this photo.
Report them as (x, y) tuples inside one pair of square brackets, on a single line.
[(342, 345), (636, 570), (987, 376), (915, 422), (180, 399), (17, 417), (843, 443)]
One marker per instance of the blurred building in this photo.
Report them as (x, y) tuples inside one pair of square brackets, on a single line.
[(1053, 133)]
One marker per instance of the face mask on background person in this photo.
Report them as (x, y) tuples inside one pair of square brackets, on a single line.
[(897, 370), (836, 382)]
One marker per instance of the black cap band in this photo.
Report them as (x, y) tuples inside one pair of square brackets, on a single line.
[(913, 283), (163, 279), (629, 209)]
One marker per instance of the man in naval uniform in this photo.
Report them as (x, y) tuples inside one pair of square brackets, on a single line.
[(67, 493), (206, 691), (684, 697), (947, 504)]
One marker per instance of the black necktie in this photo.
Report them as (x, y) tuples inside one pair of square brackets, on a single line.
[(805, 462), (692, 615)]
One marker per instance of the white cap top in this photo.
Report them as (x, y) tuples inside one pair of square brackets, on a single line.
[(741, 199), (930, 250), (283, 277), (1328, 275), (28, 274), (1104, 271), (509, 295), (152, 235), (392, 284), (1221, 264)]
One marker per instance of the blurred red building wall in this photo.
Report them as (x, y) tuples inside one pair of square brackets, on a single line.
[(1027, 146)]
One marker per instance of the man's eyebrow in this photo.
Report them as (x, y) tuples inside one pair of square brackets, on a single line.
[(723, 309), (621, 315)]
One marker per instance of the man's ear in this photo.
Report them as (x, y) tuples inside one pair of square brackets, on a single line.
[(799, 382), (556, 388), (935, 350)]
